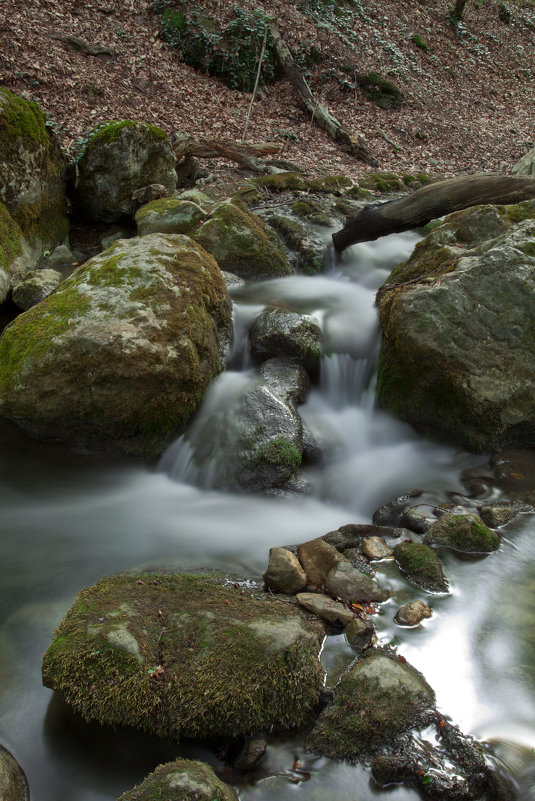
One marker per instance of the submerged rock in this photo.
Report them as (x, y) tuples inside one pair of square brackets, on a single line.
[(181, 780), (420, 564), (379, 697), (120, 355), (457, 355), (502, 512), (462, 532), (185, 656), (121, 156)]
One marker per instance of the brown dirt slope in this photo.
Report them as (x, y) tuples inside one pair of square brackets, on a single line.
[(468, 100)]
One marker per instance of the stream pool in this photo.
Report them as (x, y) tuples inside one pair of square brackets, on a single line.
[(67, 519)]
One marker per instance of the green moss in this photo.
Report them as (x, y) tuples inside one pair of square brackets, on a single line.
[(419, 42), (465, 533), (529, 248), (381, 182), (421, 566), (282, 182), (280, 452), (20, 120), (110, 131), (218, 676), (379, 90), (518, 212), (330, 184), (10, 238), (423, 177), (181, 780)]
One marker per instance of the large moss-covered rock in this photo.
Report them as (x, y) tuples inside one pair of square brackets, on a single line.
[(181, 780), (457, 352), (185, 656), (14, 256), (118, 158), (170, 215), (32, 174), (379, 697), (241, 242), (121, 354), (34, 287)]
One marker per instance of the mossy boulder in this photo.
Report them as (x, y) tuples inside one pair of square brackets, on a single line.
[(32, 174), (379, 90), (117, 158), (181, 780), (170, 215), (308, 249), (241, 242), (378, 698), (457, 350), (185, 655), (121, 354), (421, 566), (13, 782), (464, 532)]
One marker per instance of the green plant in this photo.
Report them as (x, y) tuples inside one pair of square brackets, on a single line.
[(419, 42)]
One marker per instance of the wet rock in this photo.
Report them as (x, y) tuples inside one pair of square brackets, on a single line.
[(284, 573), (358, 631), (390, 513), (13, 783), (318, 558), (309, 250), (181, 780), (464, 532), (35, 287), (390, 769), (325, 607), (287, 378), (352, 534), (417, 518), (142, 328), (420, 565), (357, 560), (284, 333), (120, 157), (231, 280), (344, 581), (379, 697), (376, 548), (500, 513), (514, 471), (482, 292), (184, 680), (60, 257), (251, 754), (412, 613)]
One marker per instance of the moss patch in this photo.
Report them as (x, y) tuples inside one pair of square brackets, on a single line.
[(181, 780), (10, 238), (465, 533), (204, 668), (421, 566)]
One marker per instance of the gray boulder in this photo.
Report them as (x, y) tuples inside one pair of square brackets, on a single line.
[(181, 780), (285, 333), (35, 287), (379, 697), (13, 783), (170, 215), (525, 165), (16, 257), (457, 355), (118, 158), (121, 354), (190, 655)]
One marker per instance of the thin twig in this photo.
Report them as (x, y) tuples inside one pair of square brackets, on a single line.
[(255, 83)]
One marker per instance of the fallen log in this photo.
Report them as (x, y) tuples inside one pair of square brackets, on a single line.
[(354, 145), (431, 202), (243, 153)]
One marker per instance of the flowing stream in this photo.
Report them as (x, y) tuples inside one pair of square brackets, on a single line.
[(67, 519)]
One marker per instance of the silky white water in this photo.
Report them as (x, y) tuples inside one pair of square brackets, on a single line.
[(68, 519)]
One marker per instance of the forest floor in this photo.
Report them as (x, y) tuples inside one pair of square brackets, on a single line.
[(467, 102)]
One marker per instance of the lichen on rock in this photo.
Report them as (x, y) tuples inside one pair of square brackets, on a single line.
[(181, 780)]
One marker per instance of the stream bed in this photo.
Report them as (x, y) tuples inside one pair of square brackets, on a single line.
[(67, 519)]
